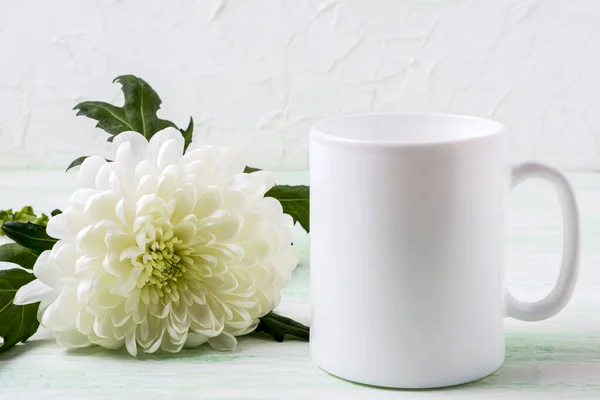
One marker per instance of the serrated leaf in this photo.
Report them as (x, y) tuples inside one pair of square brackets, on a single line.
[(249, 170), (137, 114), (17, 323), (294, 200), (278, 327), (187, 134), (17, 254), (31, 236), (78, 161)]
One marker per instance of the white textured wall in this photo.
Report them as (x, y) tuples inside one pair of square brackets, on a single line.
[(259, 73)]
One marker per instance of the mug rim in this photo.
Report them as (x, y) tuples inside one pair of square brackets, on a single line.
[(317, 132)]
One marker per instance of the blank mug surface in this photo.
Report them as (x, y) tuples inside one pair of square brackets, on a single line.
[(407, 248)]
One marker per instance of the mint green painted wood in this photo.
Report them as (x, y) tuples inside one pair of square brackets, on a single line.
[(558, 358)]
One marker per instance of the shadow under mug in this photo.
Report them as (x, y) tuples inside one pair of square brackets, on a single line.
[(407, 216)]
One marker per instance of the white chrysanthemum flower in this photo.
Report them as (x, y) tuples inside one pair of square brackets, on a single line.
[(162, 250)]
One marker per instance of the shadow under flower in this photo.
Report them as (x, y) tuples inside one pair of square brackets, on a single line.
[(199, 355), (30, 348), (22, 348)]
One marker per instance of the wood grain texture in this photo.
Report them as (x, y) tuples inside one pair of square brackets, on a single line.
[(558, 358)]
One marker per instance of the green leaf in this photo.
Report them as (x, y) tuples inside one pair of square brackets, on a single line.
[(25, 215), (188, 133), (17, 323), (32, 236), (294, 200), (249, 170), (17, 254), (278, 327), (78, 161), (137, 114)]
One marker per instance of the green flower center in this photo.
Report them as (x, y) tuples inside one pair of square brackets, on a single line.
[(163, 262)]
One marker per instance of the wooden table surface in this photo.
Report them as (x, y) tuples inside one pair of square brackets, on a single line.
[(558, 358)]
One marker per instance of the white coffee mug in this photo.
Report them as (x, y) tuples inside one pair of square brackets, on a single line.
[(407, 217)]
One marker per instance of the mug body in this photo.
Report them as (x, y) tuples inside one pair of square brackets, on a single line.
[(407, 246)]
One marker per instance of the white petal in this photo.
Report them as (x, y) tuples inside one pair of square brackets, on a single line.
[(168, 181), (151, 203), (256, 183), (234, 160), (272, 205), (125, 155), (144, 168), (201, 315), (170, 153), (90, 240), (247, 329), (195, 339), (44, 304), (234, 199), (171, 347), (103, 328), (33, 292), (101, 205), (131, 252), (86, 177), (84, 322), (223, 225), (147, 184), (71, 339), (121, 180), (186, 231), (62, 314), (131, 345), (136, 141), (181, 204), (177, 333), (225, 341), (208, 202), (103, 175), (46, 271), (64, 255), (287, 260), (154, 346), (124, 212), (112, 344), (56, 227), (80, 197), (117, 242), (160, 138)]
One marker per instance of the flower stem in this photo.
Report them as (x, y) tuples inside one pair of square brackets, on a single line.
[(278, 327)]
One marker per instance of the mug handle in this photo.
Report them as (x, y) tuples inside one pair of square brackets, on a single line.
[(562, 292)]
